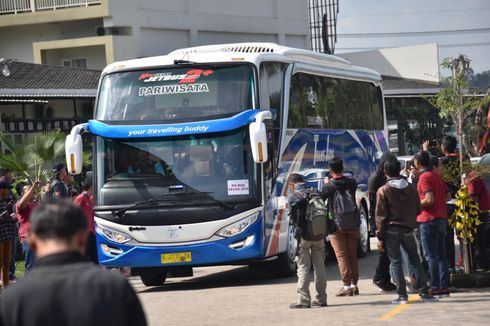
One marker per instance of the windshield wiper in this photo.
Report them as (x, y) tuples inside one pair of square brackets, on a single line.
[(210, 198), (121, 212)]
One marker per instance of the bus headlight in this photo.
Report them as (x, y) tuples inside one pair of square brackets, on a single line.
[(238, 227), (113, 235)]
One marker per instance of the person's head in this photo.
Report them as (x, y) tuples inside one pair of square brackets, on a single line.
[(336, 166), (6, 174), (59, 171), (448, 145), (294, 180), (87, 186), (434, 162), (391, 168), (422, 160), (5, 186), (57, 226)]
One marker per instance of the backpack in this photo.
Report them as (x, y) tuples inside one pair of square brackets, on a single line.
[(315, 217), (344, 210)]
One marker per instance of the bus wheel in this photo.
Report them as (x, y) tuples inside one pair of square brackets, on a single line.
[(285, 265), (153, 276), (364, 245)]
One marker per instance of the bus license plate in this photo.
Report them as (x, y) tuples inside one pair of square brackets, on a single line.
[(177, 257)]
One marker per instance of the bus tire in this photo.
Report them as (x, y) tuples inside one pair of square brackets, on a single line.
[(153, 276), (364, 245), (285, 264)]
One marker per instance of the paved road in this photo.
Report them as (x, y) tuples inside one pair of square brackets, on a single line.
[(237, 295)]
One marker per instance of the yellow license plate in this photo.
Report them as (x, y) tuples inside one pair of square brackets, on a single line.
[(177, 257)]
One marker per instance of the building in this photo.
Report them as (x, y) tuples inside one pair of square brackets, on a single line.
[(93, 33), (36, 98)]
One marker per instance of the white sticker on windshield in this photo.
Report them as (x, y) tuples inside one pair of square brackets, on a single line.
[(238, 187)]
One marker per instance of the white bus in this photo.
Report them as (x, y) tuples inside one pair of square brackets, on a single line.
[(191, 150)]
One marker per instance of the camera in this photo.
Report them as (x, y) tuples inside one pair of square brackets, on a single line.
[(409, 164), (433, 143)]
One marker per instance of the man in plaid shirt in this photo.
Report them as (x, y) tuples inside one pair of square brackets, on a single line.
[(7, 228)]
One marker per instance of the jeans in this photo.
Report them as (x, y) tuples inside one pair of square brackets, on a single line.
[(5, 257), (451, 248), (28, 254), (407, 241), (433, 236), (344, 243), (14, 253), (382, 274), (91, 249), (311, 252)]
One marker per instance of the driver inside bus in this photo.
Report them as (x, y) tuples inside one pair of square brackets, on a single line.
[(144, 162)]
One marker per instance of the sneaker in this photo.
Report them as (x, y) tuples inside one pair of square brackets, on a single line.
[(427, 296), (12, 279), (444, 292), (318, 304), (400, 300), (343, 292), (355, 290), (385, 286), (299, 306)]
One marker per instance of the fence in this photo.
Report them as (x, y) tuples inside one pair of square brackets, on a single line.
[(19, 6), (36, 125)]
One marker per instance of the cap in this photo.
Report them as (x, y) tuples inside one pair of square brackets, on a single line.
[(58, 167)]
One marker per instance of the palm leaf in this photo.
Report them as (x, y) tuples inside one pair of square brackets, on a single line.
[(8, 141)]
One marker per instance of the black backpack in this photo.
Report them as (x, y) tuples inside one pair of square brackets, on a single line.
[(315, 216), (344, 210)]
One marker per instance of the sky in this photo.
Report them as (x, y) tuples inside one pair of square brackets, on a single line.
[(457, 26)]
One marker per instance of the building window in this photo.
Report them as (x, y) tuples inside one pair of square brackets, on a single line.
[(78, 63)]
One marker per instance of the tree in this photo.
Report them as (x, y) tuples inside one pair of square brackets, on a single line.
[(453, 101), (33, 161)]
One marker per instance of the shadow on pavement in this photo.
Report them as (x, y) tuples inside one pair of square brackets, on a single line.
[(259, 275), (240, 276)]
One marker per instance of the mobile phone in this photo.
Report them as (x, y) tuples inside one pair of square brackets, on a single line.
[(433, 143)]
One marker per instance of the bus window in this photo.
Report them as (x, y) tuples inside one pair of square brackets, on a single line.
[(333, 103)]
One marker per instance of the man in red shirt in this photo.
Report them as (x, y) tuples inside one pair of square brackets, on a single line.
[(23, 208), (86, 203), (433, 219), (479, 192)]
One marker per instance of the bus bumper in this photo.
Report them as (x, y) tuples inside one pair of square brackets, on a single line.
[(244, 246)]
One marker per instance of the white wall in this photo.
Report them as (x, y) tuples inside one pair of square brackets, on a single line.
[(16, 42), (413, 62), (160, 27)]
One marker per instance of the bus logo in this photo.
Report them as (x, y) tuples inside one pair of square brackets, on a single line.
[(173, 233)]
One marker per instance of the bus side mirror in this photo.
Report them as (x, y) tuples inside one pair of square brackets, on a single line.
[(258, 137), (74, 150)]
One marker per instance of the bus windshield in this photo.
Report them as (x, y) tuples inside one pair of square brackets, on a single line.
[(212, 167), (176, 94)]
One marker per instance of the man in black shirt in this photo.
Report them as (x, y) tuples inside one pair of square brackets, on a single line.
[(63, 288), (58, 188)]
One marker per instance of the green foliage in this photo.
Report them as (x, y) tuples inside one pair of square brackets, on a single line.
[(481, 80), (33, 161)]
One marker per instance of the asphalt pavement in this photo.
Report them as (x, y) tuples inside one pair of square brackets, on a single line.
[(239, 295)]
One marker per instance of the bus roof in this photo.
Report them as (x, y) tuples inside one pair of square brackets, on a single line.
[(255, 52)]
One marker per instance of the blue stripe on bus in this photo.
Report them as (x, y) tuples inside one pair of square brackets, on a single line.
[(177, 129)]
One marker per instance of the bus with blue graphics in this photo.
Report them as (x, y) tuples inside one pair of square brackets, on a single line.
[(191, 152)]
